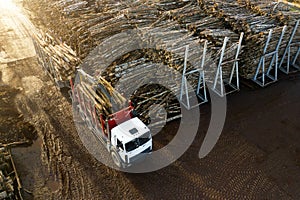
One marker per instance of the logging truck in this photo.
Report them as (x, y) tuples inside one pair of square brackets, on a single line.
[(124, 135)]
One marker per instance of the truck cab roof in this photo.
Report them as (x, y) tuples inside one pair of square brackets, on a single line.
[(130, 129)]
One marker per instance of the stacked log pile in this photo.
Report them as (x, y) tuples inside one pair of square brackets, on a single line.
[(57, 56), (255, 26), (240, 18), (91, 23), (212, 29), (107, 100), (164, 28), (202, 25), (94, 27), (170, 40), (283, 13), (145, 83), (165, 43), (167, 5)]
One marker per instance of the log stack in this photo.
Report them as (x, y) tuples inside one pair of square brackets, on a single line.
[(256, 27), (283, 13), (90, 23), (57, 56), (107, 99), (163, 29), (212, 29), (146, 84)]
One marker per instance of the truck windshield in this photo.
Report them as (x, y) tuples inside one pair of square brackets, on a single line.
[(133, 144)]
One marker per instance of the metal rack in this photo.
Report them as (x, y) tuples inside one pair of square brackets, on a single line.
[(232, 83), (288, 61), (266, 75), (186, 93)]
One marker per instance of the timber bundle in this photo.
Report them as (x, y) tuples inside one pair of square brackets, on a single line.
[(56, 56), (255, 19), (105, 99), (162, 30)]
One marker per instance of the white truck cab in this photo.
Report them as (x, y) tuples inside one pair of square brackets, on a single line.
[(131, 140)]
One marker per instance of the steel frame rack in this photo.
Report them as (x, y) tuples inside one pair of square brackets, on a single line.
[(233, 81), (262, 71), (290, 59), (185, 91)]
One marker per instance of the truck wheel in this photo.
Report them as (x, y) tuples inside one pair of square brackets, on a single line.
[(116, 159)]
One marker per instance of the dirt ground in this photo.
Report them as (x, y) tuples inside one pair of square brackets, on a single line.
[(257, 156)]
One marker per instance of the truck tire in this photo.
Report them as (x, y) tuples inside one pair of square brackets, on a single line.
[(116, 158)]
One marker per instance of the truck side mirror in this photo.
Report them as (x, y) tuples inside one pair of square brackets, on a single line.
[(120, 145)]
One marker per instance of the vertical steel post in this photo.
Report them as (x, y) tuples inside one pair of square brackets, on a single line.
[(276, 54), (183, 77), (185, 80), (295, 58), (261, 64), (219, 73), (201, 74), (287, 53), (235, 68)]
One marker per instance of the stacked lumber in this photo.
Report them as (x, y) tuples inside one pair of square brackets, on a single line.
[(58, 56)]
